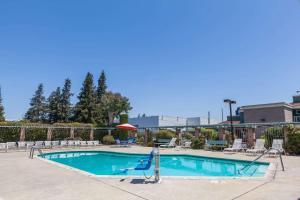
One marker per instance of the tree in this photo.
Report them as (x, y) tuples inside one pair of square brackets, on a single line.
[(38, 107), (65, 101), (54, 106), (85, 108), (2, 117), (101, 89), (113, 105)]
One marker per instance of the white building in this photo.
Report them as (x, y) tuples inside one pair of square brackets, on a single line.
[(161, 121)]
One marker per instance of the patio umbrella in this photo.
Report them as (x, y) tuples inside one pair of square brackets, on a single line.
[(126, 127)]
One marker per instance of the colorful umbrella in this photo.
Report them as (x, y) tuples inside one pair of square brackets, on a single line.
[(126, 127)]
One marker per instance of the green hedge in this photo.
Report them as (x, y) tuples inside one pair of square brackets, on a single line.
[(9, 134), (35, 134)]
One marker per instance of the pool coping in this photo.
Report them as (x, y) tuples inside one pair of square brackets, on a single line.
[(269, 174)]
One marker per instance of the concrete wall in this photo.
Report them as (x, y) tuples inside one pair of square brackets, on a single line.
[(270, 114), (171, 121)]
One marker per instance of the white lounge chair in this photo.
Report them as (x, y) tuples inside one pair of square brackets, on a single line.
[(48, 144), (39, 144), (63, 143), (276, 147), (77, 143), (83, 143), (22, 145), (29, 144), (11, 145), (55, 143), (71, 143), (3, 147), (171, 144), (237, 146), (90, 143), (259, 147), (186, 144), (96, 142)]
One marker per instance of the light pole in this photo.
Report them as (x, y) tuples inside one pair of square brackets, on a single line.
[(229, 101)]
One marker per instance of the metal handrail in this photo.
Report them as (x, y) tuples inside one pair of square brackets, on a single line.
[(32, 151), (282, 166)]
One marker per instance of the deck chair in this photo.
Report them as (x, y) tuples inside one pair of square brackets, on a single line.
[(48, 144), (55, 143), (276, 147), (3, 147), (63, 143), (237, 146), (259, 147), (11, 145), (171, 144), (83, 143), (22, 145)]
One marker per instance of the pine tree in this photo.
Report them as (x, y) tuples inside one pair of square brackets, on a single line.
[(65, 101), (86, 105), (2, 118), (101, 89), (38, 108), (54, 106)]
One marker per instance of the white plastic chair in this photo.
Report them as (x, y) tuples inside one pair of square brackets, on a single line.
[(237, 146), (11, 145)]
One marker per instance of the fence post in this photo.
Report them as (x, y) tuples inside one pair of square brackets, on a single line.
[(72, 133), (285, 134), (146, 137), (92, 134), (221, 132), (250, 136), (197, 132), (22, 134), (49, 134)]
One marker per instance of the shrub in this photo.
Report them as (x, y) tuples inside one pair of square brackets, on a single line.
[(198, 143), (210, 134), (165, 134), (270, 134), (293, 144), (188, 136), (108, 139)]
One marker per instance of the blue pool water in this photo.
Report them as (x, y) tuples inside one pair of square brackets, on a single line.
[(108, 163)]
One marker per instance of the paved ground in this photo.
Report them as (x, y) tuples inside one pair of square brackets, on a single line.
[(23, 178)]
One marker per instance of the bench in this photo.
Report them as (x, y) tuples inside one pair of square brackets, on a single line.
[(216, 143)]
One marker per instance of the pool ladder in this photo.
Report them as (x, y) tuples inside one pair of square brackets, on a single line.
[(33, 148), (250, 164)]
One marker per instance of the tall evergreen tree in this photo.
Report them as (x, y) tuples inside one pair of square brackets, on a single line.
[(101, 89), (2, 117), (86, 106), (66, 101), (38, 108), (54, 106)]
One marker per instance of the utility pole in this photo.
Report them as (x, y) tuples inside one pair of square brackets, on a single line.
[(230, 102)]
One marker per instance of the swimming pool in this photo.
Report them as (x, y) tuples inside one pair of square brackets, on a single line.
[(112, 163)]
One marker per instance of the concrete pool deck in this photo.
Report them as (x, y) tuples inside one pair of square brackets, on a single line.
[(24, 178)]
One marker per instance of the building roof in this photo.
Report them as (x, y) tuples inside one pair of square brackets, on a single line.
[(295, 105), (228, 122), (268, 105)]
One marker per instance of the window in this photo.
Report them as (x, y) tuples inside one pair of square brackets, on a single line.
[(263, 120), (297, 112)]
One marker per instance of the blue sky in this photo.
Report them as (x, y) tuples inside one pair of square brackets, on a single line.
[(171, 57)]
